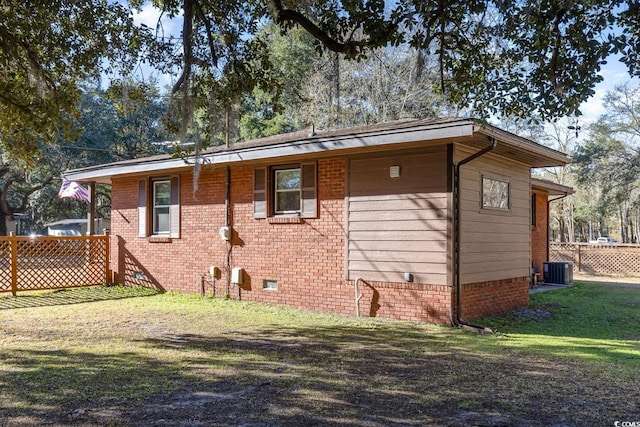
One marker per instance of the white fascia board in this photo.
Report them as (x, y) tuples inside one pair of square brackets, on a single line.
[(524, 144), (550, 187), (321, 145), (103, 172), (312, 146)]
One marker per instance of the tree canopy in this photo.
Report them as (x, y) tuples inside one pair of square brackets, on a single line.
[(538, 60), (535, 59), (48, 48)]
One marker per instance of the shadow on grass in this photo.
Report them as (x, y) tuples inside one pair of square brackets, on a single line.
[(73, 296), (338, 375), (400, 374), (289, 373)]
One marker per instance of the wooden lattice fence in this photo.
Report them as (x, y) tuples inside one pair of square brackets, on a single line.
[(617, 259), (53, 262)]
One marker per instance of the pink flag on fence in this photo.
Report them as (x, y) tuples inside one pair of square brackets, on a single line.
[(73, 190)]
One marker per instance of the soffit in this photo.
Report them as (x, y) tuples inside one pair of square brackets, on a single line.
[(551, 188), (311, 143)]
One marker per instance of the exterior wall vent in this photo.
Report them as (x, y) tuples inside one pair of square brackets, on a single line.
[(269, 284)]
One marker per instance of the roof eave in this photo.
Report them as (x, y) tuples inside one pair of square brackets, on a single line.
[(299, 145), (551, 188), (540, 155), (310, 146)]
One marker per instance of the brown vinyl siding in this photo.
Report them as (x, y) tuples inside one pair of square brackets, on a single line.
[(495, 244), (399, 225)]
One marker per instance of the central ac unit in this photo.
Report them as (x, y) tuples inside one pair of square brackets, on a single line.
[(558, 273)]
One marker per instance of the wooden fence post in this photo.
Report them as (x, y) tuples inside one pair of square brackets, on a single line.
[(579, 258), (14, 264), (107, 265)]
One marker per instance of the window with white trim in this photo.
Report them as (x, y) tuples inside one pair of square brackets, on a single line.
[(159, 207), (161, 201), (495, 193), (270, 284), (287, 191)]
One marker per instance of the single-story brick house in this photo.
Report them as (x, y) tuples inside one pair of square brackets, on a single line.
[(426, 220)]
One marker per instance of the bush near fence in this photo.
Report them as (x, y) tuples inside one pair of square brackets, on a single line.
[(618, 259)]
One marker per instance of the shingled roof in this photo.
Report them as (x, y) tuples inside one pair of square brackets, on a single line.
[(315, 142)]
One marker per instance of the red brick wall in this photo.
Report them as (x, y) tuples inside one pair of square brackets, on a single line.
[(494, 297), (407, 301), (171, 264), (307, 259), (539, 233)]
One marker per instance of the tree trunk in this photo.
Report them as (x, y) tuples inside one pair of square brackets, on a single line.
[(3, 223), (568, 214), (562, 229)]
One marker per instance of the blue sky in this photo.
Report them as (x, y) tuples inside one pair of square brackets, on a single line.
[(614, 73)]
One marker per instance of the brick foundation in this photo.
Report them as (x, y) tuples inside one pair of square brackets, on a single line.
[(494, 297), (406, 301)]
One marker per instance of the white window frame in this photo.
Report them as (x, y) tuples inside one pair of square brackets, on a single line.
[(277, 191), (269, 285), (265, 186), (147, 207), (156, 207)]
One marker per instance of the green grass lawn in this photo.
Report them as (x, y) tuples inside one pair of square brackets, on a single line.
[(118, 356), (595, 323)]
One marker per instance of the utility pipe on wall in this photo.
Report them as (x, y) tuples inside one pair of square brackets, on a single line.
[(358, 295), (227, 223), (227, 207)]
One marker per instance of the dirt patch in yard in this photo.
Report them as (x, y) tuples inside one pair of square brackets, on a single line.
[(478, 398), (532, 313)]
